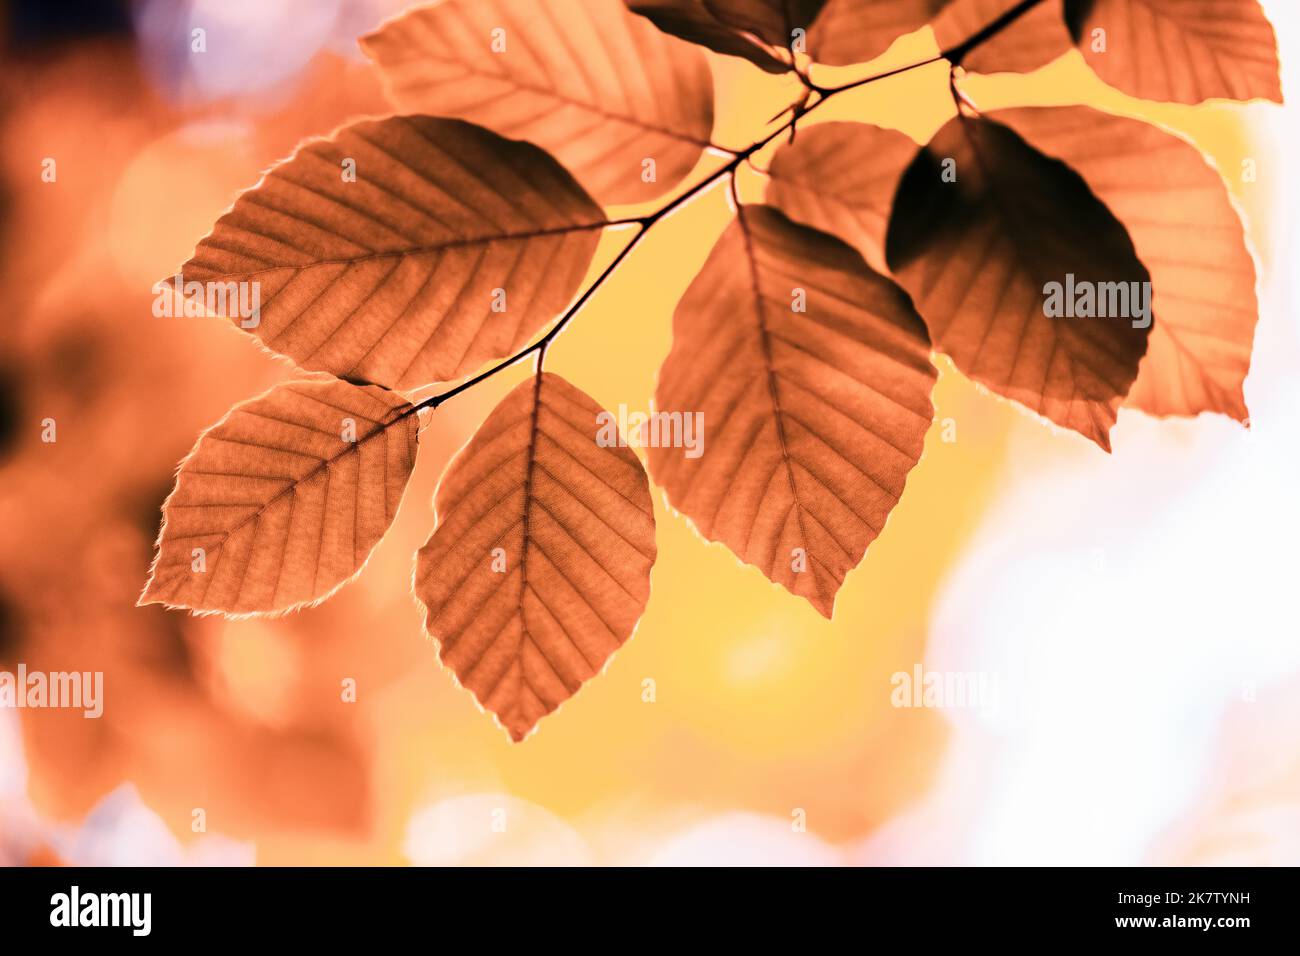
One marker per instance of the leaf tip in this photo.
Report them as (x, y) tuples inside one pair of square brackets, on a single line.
[(1237, 410), (366, 44), (147, 595), (518, 725)]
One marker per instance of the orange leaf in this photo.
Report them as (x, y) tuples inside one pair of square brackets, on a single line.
[(1037, 37), (839, 32), (1186, 232), (282, 501), (539, 567), (840, 178), (814, 418), (978, 253), (855, 31), (601, 89), (1179, 51), (453, 246), (692, 20)]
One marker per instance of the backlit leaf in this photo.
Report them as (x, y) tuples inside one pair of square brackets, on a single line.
[(539, 567), (844, 32), (773, 21), (283, 500), (812, 419), (1037, 37), (1186, 232), (840, 178), (453, 246), (978, 254), (1179, 51), (692, 20), (855, 31), (839, 32), (601, 89)]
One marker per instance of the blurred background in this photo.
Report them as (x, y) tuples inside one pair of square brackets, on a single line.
[(1134, 613)]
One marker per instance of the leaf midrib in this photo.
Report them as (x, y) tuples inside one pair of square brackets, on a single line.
[(772, 386), (412, 251)]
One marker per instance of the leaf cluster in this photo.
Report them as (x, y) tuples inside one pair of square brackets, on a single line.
[(415, 249)]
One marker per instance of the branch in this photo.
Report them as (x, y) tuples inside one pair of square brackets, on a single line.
[(828, 91), (797, 111)]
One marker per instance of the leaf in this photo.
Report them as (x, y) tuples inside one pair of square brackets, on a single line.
[(813, 418), (1186, 232), (773, 21), (570, 525), (601, 89), (978, 254), (284, 506), (393, 278), (1037, 37), (855, 31), (1179, 51), (693, 21), (839, 32), (840, 178)]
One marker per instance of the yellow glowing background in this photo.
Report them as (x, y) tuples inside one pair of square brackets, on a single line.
[(1136, 609)]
